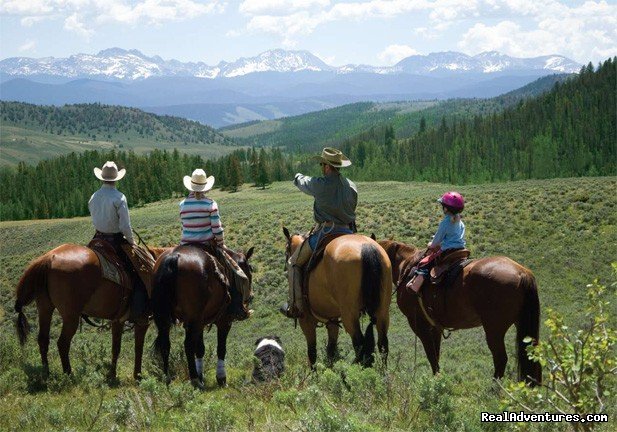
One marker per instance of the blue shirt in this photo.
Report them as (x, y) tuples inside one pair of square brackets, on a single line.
[(451, 235)]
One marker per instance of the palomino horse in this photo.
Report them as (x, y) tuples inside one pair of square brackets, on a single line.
[(68, 278), (189, 285), (493, 292), (353, 277)]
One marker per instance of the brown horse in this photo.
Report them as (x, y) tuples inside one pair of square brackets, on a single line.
[(189, 285), (68, 278), (493, 292), (353, 277)]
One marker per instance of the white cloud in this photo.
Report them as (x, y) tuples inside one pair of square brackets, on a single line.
[(28, 45), (74, 24), (395, 53), (82, 16), (279, 7), (586, 32), (516, 27)]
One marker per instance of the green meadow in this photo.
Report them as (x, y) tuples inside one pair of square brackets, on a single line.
[(564, 230)]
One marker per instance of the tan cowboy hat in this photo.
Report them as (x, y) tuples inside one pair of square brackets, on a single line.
[(334, 157), (198, 182), (109, 172)]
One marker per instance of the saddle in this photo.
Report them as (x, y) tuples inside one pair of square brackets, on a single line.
[(113, 266), (450, 265)]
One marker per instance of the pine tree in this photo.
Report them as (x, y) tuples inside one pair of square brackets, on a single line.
[(263, 176)]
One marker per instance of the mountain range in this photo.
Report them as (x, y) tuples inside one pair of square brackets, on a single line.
[(272, 85), (130, 65)]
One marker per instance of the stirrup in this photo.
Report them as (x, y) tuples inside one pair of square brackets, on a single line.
[(290, 312)]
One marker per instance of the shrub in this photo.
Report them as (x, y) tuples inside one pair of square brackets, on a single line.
[(579, 365)]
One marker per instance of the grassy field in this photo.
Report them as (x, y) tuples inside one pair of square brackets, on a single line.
[(565, 230)]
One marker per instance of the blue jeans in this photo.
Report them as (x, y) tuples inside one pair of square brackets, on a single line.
[(316, 237)]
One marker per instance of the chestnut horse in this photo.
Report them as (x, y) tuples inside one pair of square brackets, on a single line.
[(354, 276), (493, 292), (68, 278), (190, 285)]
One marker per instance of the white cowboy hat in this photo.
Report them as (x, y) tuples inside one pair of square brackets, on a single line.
[(334, 157), (109, 172), (198, 182)]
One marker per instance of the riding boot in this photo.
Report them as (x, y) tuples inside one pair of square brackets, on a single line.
[(236, 308), (416, 283)]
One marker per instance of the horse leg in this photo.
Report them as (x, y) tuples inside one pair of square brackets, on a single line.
[(331, 349), (69, 327), (46, 311), (140, 336), (495, 342), (309, 328), (200, 350), (382, 339), (222, 330), (116, 341), (430, 337), (189, 349)]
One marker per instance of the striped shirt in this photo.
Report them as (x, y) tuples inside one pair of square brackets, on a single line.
[(200, 220)]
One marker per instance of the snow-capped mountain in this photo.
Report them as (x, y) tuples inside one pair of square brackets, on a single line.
[(131, 65), (117, 63)]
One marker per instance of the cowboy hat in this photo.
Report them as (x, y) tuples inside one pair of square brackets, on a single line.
[(109, 172), (198, 182), (334, 157)]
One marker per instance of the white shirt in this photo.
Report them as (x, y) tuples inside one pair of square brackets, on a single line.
[(110, 212)]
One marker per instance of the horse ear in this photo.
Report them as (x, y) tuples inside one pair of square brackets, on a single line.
[(373, 236), (278, 339), (286, 232), (258, 340), (249, 253)]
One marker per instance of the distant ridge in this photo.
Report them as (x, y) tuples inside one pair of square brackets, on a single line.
[(33, 132)]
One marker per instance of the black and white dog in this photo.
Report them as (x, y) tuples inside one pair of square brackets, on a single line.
[(270, 359)]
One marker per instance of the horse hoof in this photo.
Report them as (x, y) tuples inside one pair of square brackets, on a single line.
[(221, 381), (198, 384)]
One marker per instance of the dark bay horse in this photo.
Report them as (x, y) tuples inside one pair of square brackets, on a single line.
[(190, 285), (493, 292), (68, 278), (353, 277)]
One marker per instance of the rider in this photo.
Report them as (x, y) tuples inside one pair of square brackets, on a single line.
[(201, 225), (450, 236), (334, 210), (110, 217)]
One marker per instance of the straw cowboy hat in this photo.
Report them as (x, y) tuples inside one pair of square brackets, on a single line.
[(198, 182), (109, 172), (334, 157)]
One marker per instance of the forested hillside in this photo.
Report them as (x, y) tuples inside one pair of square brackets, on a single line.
[(570, 131), (309, 132), (62, 186), (34, 132)]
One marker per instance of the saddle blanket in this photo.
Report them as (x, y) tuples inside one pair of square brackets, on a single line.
[(109, 270)]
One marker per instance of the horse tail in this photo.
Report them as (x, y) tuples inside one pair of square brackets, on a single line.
[(31, 283), (528, 326), (371, 289), (163, 295)]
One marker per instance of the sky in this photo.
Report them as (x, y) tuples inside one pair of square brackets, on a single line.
[(374, 32)]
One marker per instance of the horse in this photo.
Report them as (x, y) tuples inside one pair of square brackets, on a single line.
[(69, 279), (493, 292), (189, 285), (353, 277)]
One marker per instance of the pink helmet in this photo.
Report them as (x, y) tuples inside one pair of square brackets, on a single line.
[(453, 200)]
